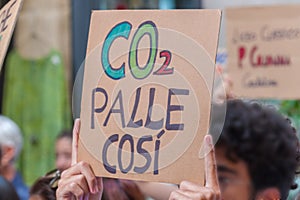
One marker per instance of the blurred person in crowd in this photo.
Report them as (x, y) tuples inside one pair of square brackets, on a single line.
[(7, 191), (45, 187), (63, 150), (11, 143), (257, 155), (225, 92)]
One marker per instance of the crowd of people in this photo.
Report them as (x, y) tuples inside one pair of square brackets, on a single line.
[(256, 156)]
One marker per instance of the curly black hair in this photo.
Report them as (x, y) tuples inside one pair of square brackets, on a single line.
[(41, 188), (265, 140)]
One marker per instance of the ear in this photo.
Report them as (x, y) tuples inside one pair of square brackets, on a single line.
[(268, 194), (8, 154)]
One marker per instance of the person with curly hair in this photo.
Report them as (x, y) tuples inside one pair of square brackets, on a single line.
[(257, 155)]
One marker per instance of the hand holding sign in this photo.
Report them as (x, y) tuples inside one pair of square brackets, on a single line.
[(211, 191), (79, 180)]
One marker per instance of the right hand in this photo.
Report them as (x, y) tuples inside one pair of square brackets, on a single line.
[(79, 181), (211, 190)]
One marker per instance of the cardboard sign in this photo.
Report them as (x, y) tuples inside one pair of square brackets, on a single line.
[(8, 18), (147, 93), (264, 51)]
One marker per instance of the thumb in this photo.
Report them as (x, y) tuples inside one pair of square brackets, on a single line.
[(76, 130), (210, 165)]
